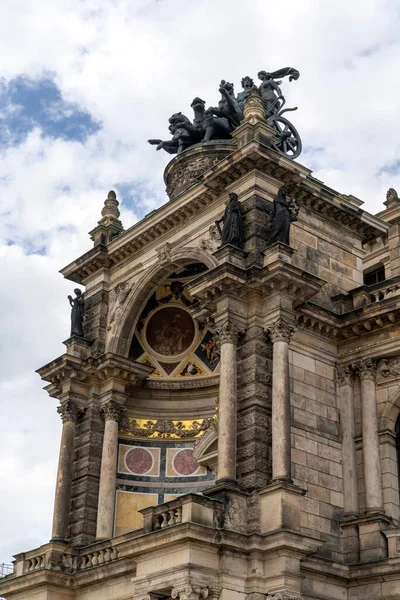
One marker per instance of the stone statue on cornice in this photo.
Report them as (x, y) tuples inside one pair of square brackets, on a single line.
[(233, 232)]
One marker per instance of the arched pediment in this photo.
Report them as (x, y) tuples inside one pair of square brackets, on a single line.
[(390, 413)]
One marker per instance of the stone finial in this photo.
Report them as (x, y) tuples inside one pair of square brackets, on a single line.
[(110, 210), (109, 225), (392, 198), (254, 108)]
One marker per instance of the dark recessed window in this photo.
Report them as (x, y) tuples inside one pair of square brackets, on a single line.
[(374, 276)]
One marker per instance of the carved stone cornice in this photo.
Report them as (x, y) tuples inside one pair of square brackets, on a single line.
[(282, 596), (280, 331), (345, 375), (228, 333), (367, 369), (190, 591), (388, 368), (69, 411), (107, 368), (112, 411)]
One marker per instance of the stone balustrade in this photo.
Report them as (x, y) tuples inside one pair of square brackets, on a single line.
[(64, 558), (190, 508)]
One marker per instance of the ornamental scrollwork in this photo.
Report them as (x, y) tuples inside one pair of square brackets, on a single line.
[(280, 331), (189, 591), (228, 333), (69, 411), (388, 367), (345, 375), (166, 428), (367, 369), (112, 411)]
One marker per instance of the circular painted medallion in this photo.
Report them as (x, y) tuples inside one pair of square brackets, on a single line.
[(170, 331), (184, 462), (139, 460)]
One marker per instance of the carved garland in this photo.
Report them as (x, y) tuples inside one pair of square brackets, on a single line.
[(166, 428)]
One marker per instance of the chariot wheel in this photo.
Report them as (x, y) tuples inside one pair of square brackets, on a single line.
[(288, 141)]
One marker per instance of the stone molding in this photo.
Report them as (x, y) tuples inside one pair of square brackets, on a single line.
[(69, 411), (112, 411), (388, 367), (281, 331), (228, 333), (367, 369), (345, 375), (282, 596), (189, 591)]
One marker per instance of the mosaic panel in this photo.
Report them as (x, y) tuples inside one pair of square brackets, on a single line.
[(181, 463), (167, 337), (139, 461)]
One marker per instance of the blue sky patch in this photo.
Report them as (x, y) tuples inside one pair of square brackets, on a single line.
[(29, 103)]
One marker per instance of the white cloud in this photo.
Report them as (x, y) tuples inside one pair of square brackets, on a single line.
[(132, 64)]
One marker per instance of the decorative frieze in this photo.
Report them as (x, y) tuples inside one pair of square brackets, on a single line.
[(388, 367), (68, 411), (190, 591), (166, 428), (367, 369), (345, 375), (112, 411), (228, 333), (281, 331)]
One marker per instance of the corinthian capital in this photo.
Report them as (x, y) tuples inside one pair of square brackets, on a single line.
[(280, 331), (345, 375), (367, 369), (68, 411), (228, 333), (112, 411), (189, 591)]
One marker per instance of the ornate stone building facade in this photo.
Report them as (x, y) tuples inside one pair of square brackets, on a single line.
[(231, 416)]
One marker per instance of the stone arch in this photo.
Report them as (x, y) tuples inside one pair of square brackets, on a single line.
[(390, 413), (140, 293), (206, 449)]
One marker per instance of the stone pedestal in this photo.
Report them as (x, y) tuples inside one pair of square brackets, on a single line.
[(69, 414), (280, 507)]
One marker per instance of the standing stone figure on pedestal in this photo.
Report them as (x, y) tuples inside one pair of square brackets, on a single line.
[(232, 233), (283, 213), (78, 304)]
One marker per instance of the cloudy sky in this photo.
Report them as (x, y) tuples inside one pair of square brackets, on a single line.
[(83, 85)]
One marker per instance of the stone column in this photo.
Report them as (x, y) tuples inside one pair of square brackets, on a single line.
[(227, 409), (280, 333), (108, 475), (371, 453), (345, 377), (69, 414)]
